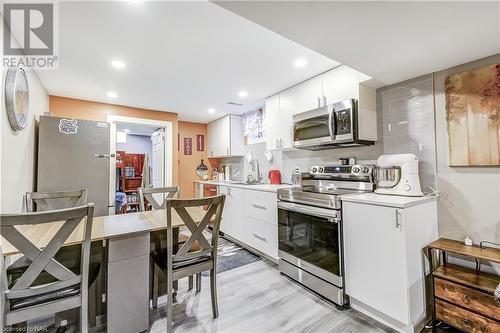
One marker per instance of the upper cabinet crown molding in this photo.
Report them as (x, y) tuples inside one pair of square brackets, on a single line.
[(225, 136), (336, 85)]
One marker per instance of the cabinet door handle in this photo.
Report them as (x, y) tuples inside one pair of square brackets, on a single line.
[(324, 100), (398, 222), (466, 299), (259, 206), (277, 145), (260, 238), (319, 102), (468, 322)]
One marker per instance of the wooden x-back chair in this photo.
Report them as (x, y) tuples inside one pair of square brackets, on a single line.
[(24, 298), (186, 262), (166, 193), (45, 201)]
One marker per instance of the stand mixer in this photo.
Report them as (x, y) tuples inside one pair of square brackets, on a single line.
[(398, 175)]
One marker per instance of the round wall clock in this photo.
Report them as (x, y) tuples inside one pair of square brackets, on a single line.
[(17, 98)]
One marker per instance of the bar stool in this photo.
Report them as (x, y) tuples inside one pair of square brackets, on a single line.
[(47, 286)]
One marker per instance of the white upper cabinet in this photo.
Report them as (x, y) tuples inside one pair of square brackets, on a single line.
[(225, 136), (272, 119), (307, 95), (339, 84), (288, 107)]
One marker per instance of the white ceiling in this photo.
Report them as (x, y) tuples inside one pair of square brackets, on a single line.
[(183, 57), (136, 129), (390, 41)]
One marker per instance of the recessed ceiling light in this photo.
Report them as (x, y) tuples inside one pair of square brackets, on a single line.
[(112, 94), (301, 62), (118, 64), (242, 93), (211, 110)]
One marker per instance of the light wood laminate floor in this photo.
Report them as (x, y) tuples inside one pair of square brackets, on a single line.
[(257, 298)]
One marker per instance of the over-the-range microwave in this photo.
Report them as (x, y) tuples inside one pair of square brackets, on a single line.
[(336, 125)]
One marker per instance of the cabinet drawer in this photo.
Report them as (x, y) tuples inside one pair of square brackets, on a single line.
[(262, 206), (465, 320), (468, 298), (262, 236)]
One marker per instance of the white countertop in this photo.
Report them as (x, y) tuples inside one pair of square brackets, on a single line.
[(396, 201), (255, 187)]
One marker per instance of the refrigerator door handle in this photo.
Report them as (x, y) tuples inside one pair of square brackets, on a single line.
[(101, 155)]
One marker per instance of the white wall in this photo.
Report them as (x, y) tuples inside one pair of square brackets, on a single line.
[(18, 150), (136, 144), (470, 200)]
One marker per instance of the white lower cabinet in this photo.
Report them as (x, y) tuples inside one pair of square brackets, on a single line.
[(261, 236), (231, 215), (250, 217), (384, 261)]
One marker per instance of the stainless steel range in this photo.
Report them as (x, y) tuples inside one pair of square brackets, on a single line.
[(310, 227)]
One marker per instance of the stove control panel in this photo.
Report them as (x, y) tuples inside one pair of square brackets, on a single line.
[(341, 170)]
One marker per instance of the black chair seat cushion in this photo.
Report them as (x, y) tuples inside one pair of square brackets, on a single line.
[(19, 303), (160, 258), (15, 271)]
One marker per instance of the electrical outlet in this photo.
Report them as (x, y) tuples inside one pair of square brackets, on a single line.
[(103, 297)]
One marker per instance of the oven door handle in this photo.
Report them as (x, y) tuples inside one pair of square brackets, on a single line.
[(308, 210)]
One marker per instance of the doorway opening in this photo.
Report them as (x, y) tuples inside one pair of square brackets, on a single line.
[(142, 150)]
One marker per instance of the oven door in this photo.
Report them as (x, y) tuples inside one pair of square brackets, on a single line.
[(313, 128), (310, 238)]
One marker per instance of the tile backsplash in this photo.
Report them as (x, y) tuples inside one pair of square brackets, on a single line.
[(405, 124)]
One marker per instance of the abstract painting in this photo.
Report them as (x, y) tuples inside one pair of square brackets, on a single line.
[(473, 117)]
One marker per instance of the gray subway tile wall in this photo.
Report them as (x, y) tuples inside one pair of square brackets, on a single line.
[(407, 110)]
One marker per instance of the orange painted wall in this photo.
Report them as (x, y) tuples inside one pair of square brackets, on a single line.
[(88, 110), (188, 163)]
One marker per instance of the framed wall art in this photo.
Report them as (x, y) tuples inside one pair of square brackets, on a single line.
[(473, 117)]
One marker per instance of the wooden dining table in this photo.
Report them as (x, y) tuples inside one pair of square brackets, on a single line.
[(127, 239)]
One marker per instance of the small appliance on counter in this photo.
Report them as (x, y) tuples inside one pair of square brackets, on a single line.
[(227, 173), (397, 174), (296, 178), (274, 177)]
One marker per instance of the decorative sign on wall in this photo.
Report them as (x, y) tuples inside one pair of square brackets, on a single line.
[(473, 116), (200, 142), (188, 146)]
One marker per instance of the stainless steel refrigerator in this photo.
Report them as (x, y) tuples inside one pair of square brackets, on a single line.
[(73, 154)]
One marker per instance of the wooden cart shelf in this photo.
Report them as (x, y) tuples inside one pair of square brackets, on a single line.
[(448, 245), (464, 297)]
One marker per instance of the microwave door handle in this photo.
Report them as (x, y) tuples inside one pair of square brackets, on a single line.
[(332, 124)]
